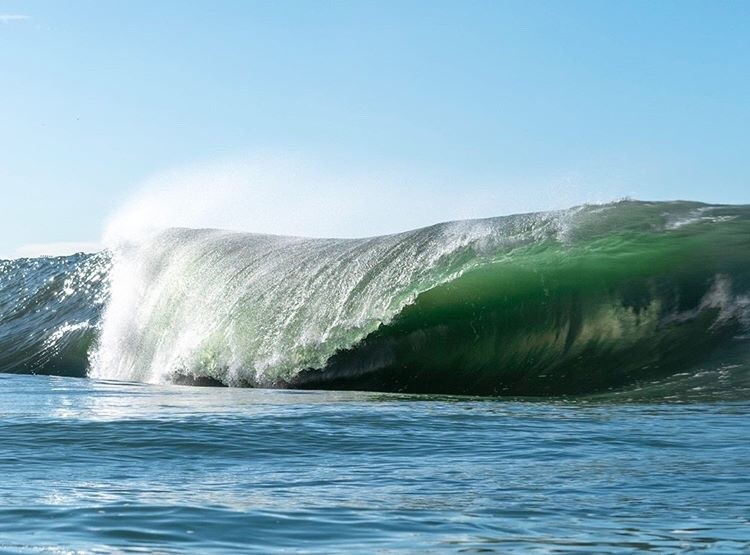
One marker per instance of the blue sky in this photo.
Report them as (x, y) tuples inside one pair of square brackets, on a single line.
[(457, 109)]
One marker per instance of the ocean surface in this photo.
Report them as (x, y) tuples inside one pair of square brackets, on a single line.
[(95, 466), (568, 381)]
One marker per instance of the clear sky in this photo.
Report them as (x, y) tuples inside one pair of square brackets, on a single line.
[(458, 109)]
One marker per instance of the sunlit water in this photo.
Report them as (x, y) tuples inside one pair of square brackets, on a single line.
[(89, 466)]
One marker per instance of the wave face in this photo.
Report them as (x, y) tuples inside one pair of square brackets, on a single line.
[(630, 298), (50, 311)]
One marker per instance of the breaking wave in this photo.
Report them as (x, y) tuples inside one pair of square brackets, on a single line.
[(629, 299)]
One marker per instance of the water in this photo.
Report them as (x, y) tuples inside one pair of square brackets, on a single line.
[(588, 300), (97, 466), (610, 343)]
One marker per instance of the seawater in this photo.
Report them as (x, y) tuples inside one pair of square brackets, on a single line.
[(589, 300), (91, 466)]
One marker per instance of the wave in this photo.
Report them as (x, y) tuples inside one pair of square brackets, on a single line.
[(644, 299), (50, 311)]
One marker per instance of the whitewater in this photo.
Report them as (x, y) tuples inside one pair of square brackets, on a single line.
[(628, 298)]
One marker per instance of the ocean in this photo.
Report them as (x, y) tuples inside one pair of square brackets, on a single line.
[(569, 381), (89, 466)]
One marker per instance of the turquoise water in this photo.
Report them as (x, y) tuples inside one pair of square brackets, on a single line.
[(96, 466)]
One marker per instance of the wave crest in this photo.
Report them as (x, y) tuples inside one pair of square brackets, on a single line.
[(589, 300)]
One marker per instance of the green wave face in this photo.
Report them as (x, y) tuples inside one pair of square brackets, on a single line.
[(610, 310), (625, 300)]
